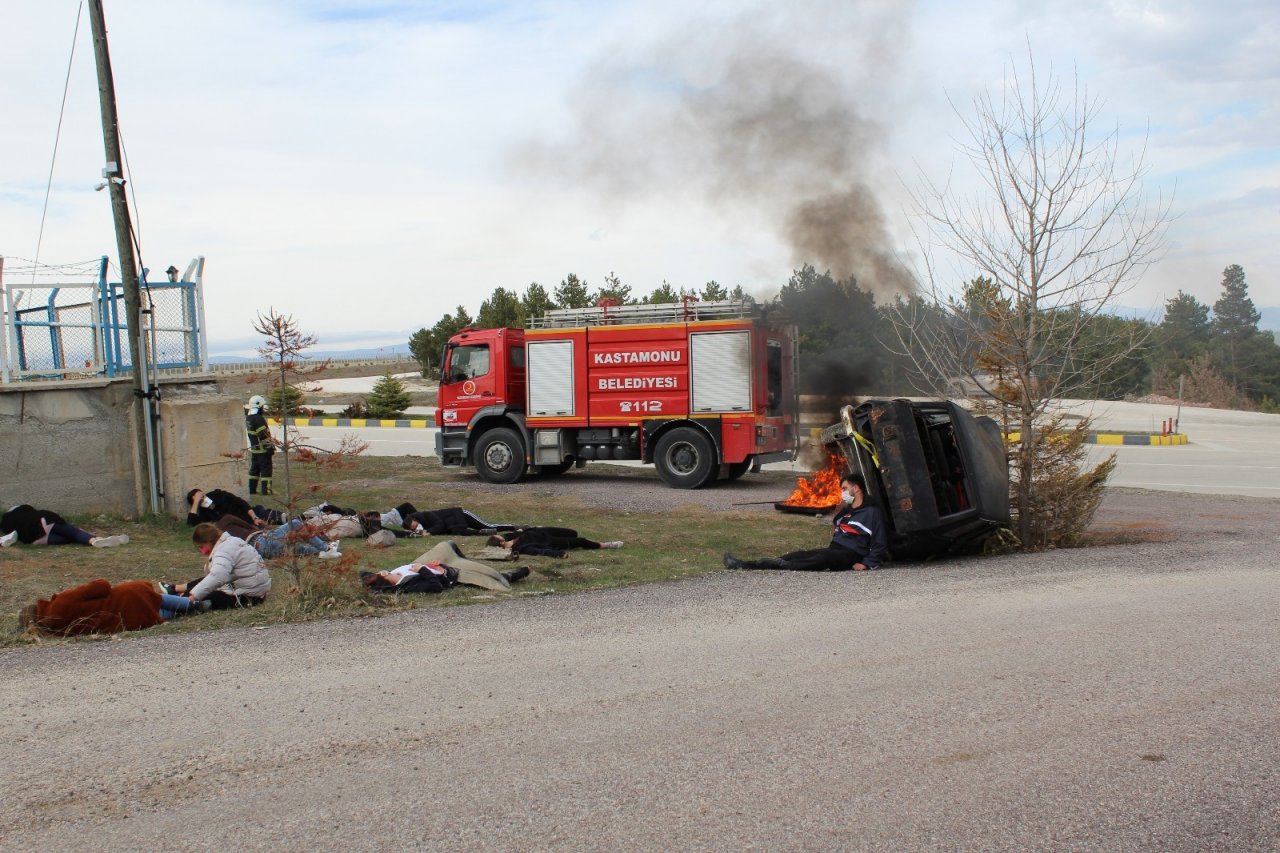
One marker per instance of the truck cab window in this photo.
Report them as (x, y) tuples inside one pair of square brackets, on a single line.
[(468, 362), (774, 367)]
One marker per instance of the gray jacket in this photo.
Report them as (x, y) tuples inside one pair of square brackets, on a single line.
[(235, 567)]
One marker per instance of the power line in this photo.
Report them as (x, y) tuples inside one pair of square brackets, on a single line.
[(66, 86)]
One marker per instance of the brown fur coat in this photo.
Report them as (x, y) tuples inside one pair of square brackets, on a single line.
[(97, 607)]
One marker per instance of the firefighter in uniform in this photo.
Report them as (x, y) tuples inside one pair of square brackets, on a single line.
[(261, 445)]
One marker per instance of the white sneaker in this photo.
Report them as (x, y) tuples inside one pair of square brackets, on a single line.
[(109, 541), (8, 539), (610, 544), (330, 553)]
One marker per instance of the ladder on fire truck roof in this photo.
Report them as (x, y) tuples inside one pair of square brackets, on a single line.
[(661, 312)]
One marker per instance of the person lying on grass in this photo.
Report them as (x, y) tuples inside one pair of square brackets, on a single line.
[(98, 607), (30, 526), (441, 568), (545, 541)]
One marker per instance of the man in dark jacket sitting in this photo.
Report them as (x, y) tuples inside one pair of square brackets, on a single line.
[(858, 540)]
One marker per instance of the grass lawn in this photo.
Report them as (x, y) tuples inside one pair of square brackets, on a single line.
[(660, 546)]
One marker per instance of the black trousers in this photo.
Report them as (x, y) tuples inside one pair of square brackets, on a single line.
[(219, 600), (260, 473), (833, 558)]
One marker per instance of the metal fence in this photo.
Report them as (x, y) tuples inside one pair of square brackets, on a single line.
[(73, 329)]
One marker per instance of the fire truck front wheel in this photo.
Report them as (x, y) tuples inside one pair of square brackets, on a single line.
[(685, 458), (500, 456)]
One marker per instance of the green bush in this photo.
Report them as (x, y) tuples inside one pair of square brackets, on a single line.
[(284, 399), (388, 399)]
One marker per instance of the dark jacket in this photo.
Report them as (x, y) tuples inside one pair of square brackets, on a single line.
[(421, 582), (25, 519), (224, 503), (259, 433), (862, 531)]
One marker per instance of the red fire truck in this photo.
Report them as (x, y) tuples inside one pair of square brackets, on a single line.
[(702, 390)]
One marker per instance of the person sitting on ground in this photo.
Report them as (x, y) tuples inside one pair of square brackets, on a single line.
[(546, 541), (235, 575), (98, 607), (30, 526), (858, 541), (211, 506), (439, 569)]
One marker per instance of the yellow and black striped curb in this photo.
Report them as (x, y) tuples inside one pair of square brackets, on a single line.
[(359, 423), (1139, 439)]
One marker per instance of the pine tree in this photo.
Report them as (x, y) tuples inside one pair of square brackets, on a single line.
[(501, 310), (536, 302), (1235, 322), (388, 399), (713, 291), (617, 291), (573, 292), (664, 293)]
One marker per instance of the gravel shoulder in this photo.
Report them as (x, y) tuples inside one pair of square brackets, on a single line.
[(1121, 697)]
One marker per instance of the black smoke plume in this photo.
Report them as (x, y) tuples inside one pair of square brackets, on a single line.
[(759, 114)]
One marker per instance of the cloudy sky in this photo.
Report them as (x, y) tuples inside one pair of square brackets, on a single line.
[(368, 166)]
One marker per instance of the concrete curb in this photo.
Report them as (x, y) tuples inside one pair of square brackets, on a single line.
[(1140, 439)]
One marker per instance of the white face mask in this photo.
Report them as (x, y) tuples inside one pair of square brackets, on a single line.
[(847, 495), (206, 503)]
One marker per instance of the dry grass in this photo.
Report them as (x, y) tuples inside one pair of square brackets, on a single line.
[(656, 549)]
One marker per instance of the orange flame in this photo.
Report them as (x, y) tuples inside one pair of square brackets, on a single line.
[(820, 490)]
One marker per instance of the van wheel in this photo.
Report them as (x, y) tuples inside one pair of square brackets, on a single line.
[(685, 458), (500, 456)]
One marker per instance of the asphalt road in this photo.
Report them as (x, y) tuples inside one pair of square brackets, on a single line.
[(1112, 698), (1231, 453)]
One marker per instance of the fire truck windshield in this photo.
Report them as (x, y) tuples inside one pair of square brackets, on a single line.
[(468, 362)]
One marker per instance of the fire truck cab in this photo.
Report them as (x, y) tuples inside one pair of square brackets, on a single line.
[(701, 390)]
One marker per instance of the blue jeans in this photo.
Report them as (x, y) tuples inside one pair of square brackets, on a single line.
[(172, 606), (65, 534), (273, 543)]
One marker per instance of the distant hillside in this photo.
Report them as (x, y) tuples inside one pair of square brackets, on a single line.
[(398, 350)]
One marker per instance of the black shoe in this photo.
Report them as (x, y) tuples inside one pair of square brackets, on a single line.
[(166, 587), (516, 574), (732, 562)]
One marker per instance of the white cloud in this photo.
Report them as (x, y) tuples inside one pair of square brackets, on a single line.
[(350, 162)]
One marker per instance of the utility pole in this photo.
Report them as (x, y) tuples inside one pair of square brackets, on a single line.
[(113, 173)]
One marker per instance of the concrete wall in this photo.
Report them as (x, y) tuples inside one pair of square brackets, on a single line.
[(198, 426), (70, 446)]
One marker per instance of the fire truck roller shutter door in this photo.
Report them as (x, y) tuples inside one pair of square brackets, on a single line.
[(720, 371)]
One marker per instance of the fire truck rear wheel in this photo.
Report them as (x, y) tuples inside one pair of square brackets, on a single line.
[(555, 470), (500, 456), (685, 458), (737, 469)]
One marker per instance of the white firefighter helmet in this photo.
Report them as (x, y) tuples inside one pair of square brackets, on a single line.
[(256, 403)]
